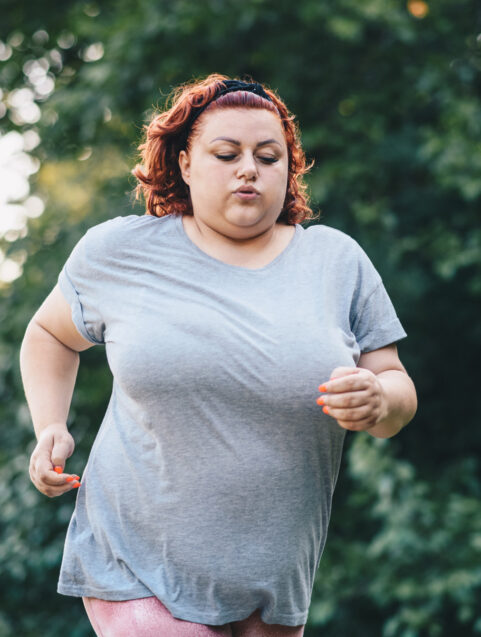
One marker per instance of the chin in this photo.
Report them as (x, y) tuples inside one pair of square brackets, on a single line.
[(246, 217)]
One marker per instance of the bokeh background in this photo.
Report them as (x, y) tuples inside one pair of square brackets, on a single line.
[(387, 95)]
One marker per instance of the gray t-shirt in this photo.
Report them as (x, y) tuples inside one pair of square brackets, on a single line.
[(210, 481)]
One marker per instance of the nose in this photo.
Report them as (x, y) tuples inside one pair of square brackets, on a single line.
[(247, 167)]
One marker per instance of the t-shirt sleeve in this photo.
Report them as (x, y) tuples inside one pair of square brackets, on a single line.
[(83, 282), (374, 321)]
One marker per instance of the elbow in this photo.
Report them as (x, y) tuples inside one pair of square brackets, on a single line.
[(410, 407), (412, 401), (402, 411)]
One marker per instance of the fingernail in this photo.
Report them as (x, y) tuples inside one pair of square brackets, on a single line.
[(72, 478), (325, 409), (58, 469), (76, 486), (320, 400), (322, 388)]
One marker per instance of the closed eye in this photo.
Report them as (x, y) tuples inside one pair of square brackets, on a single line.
[(266, 160)]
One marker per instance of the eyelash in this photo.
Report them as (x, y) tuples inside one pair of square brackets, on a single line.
[(267, 160)]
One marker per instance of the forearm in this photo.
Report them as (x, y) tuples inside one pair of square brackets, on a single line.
[(49, 370), (400, 403)]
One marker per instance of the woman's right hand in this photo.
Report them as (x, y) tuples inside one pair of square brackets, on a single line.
[(55, 444)]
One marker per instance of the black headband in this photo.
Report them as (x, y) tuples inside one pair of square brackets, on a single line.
[(224, 87)]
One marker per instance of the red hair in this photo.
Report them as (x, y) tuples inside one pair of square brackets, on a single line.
[(159, 176)]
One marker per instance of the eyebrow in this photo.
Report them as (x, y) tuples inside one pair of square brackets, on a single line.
[(237, 143)]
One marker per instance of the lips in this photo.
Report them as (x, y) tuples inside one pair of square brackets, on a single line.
[(247, 190)]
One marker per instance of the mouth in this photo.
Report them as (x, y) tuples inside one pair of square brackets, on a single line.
[(247, 192)]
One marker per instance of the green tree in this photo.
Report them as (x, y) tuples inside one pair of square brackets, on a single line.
[(389, 108)]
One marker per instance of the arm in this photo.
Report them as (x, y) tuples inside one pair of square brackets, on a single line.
[(49, 361), (49, 369), (377, 396)]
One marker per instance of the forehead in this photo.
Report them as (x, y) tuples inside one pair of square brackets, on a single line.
[(243, 124)]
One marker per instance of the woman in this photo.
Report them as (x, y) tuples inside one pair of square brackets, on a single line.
[(242, 347)]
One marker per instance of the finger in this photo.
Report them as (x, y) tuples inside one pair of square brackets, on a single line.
[(359, 425), (41, 465), (45, 479), (45, 474), (61, 451), (53, 492), (338, 372), (42, 470), (53, 484), (342, 384), (349, 415), (345, 400)]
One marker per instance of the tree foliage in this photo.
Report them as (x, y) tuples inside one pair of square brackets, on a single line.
[(388, 105)]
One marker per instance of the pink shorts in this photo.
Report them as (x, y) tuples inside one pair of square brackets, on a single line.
[(148, 617)]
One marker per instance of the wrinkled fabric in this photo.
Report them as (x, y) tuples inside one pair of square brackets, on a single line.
[(210, 482)]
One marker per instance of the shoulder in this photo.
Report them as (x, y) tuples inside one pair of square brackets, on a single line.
[(332, 240), (119, 238), (126, 231), (341, 256), (126, 223), (320, 231)]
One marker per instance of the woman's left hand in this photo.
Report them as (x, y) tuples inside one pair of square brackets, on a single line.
[(354, 397)]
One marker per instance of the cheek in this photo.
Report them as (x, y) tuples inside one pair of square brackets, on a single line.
[(278, 184), (207, 175)]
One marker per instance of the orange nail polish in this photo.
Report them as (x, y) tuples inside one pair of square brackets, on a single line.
[(320, 400), (322, 388), (76, 486), (325, 409), (58, 469), (71, 479)]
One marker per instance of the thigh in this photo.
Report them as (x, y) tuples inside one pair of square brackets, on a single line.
[(146, 617), (253, 626)]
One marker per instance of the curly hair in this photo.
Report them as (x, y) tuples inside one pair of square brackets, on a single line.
[(159, 176)]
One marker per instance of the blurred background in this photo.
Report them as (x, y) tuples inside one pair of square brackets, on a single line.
[(387, 95)]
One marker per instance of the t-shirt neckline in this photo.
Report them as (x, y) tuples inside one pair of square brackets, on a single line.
[(236, 268)]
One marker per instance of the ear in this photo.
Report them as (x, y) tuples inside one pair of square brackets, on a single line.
[(184, 165)]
